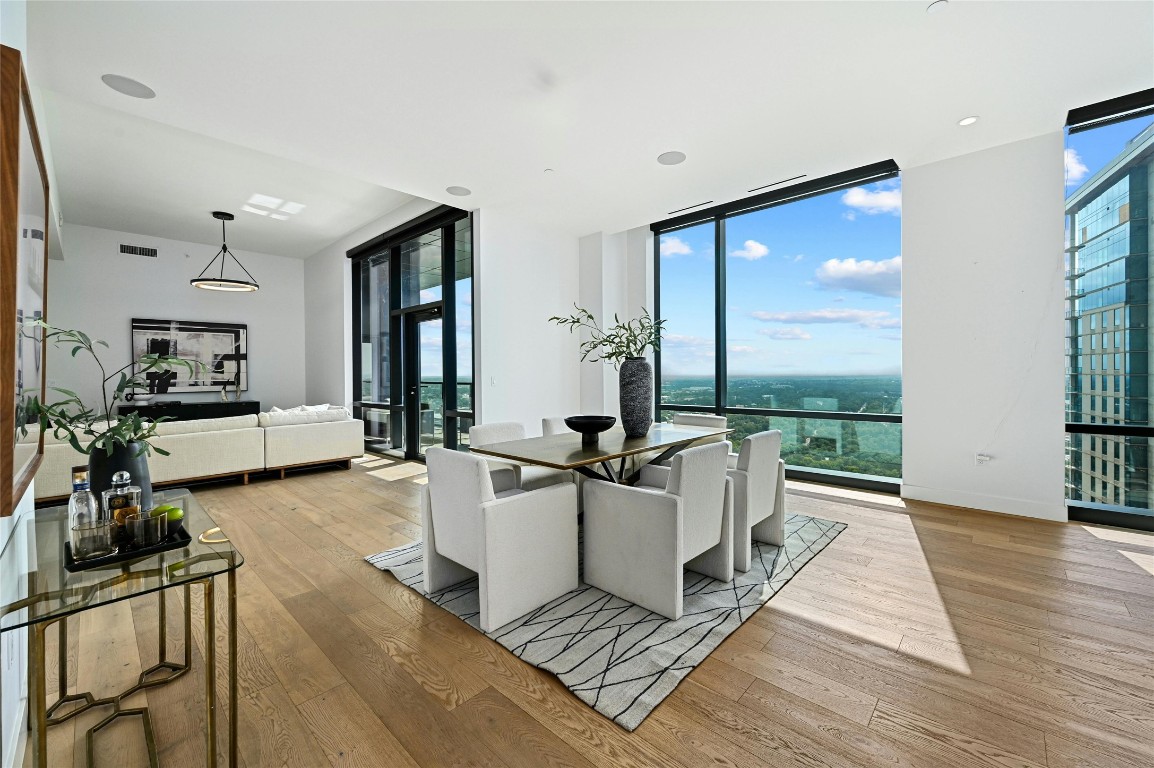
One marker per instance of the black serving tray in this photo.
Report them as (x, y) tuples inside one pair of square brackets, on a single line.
[(176, 540)]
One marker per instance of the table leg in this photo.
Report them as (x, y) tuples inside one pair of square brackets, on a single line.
[(37, 696), (233, 713), (668, 453), (210, 673)]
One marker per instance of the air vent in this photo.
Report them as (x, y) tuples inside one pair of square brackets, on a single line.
[(138, 250)]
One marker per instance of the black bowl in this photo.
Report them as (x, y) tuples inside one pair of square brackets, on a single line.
[(590, 426)]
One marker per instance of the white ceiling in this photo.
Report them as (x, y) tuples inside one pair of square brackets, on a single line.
[(118, 171), (421, 96)]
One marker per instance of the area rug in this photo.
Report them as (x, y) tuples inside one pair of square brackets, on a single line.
[(617, 657)]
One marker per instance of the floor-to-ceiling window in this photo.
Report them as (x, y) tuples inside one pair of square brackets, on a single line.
[(783, 311), (1109, 161), (412, 372)]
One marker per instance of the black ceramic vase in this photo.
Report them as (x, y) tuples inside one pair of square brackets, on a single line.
[(102, 466), (636, 380)]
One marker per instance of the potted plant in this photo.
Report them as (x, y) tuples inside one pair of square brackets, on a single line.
[(112, 442), (624, 345)]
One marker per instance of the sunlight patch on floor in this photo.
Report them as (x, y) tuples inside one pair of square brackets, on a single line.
[(1140, 538), (398, 471), (1143, 561)]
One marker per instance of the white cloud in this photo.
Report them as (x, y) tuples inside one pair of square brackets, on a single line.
[(879, 278), (849, 215), (740, 349), (678, 340), (866, 318), (786, 334), (752, 251), (674, 246), (799, 257), (1076, 170), (873, 201)]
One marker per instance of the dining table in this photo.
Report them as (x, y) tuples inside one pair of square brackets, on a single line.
[(566, 450)]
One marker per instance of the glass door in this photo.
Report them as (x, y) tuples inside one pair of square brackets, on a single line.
[(413, 373), (424, 382)]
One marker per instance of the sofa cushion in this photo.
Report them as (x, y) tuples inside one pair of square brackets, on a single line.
[(207, 425), (289, 418)]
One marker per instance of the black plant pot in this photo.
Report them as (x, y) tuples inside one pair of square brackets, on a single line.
[(636, 380), (102, 466)]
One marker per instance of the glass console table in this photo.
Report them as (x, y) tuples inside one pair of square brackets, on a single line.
[(45, 594)]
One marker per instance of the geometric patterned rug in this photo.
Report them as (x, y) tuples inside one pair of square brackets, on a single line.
[(617, 657)]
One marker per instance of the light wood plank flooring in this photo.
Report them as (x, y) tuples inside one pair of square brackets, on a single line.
[(923, 636)]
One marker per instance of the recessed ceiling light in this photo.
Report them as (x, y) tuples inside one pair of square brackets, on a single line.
[(278, 216), (671, 158), (968, 120), (268, 201), (937, 5), (548, 170), (459, 191), (257, 211), (128, 86), (291, 207)]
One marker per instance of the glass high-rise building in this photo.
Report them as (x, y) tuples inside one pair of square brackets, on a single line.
[(1108, 267)]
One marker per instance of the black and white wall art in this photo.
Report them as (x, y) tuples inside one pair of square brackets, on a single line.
[(220, 348)]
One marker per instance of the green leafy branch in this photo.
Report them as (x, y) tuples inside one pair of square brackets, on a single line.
[(101, 430), (618, 342)]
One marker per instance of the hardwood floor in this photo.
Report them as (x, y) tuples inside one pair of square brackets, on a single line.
[(923, 636)]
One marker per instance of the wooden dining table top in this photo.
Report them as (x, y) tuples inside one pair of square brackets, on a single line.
[(565, 451)]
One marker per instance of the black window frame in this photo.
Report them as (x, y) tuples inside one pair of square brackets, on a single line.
[(718, 214), (1087, 118), (443, 218)]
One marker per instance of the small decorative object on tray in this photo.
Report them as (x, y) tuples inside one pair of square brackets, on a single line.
[(124, 552), (590, 426), (90, 532)]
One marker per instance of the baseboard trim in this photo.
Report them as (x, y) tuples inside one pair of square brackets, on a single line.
[(1001, 504)]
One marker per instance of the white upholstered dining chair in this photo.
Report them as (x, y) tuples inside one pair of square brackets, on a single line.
[(528, 477), (521, 545), (758, 475), (554, 425), (639, 539)]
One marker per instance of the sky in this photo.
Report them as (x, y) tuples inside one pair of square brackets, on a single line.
[(1088, 152), (813, 287)]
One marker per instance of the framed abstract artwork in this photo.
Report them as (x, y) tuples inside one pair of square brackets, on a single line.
[(23, 267), (221, 349)]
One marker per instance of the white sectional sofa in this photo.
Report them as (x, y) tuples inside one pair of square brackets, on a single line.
[(210, 448)]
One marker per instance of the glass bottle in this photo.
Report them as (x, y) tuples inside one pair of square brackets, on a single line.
[(122, 500), (89, 533)]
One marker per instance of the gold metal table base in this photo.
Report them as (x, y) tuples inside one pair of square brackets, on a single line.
[(52, 715)]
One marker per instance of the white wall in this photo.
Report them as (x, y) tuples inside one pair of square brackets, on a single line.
[(527, 367), (329, 306), (982, 300), (616, 274), (99, 290)]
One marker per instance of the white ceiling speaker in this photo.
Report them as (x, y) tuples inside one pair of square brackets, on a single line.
[(128, 86), (671, 158)]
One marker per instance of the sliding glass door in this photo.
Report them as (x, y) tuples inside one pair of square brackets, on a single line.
[(413, 371)]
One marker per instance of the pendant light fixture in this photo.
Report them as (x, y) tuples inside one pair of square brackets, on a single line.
[(220, 282)]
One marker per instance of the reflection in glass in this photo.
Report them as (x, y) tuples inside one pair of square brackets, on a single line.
[(375, 329), (421, 269), (860, 447), (463, 261)]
